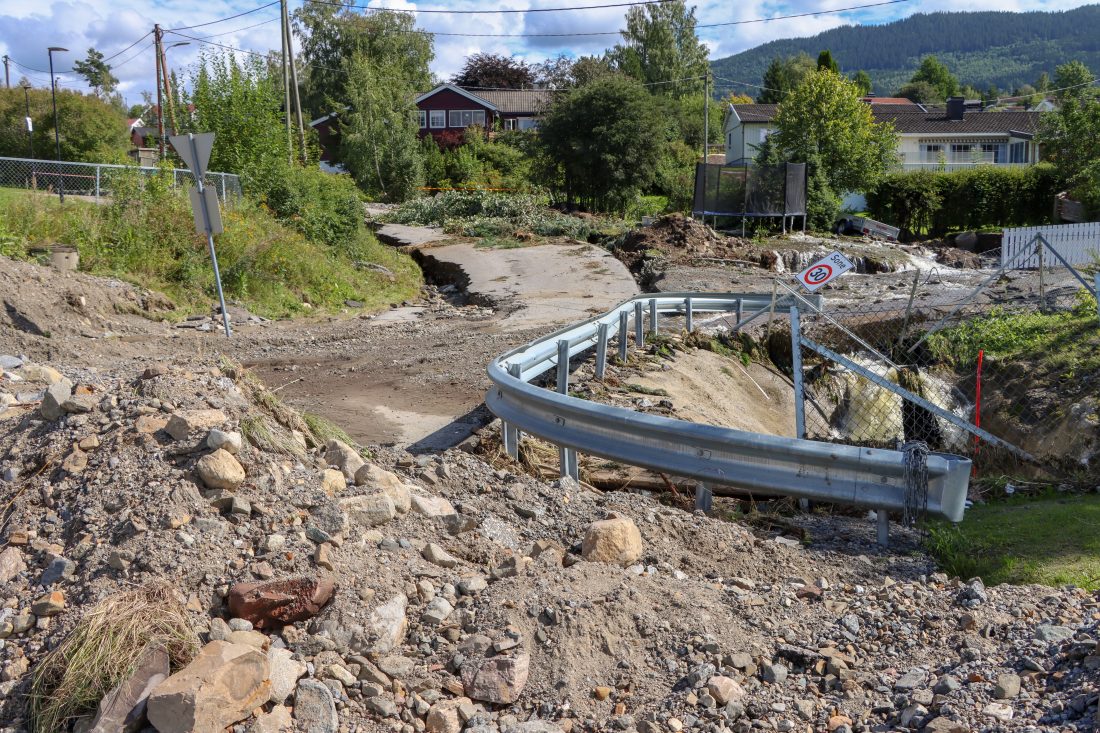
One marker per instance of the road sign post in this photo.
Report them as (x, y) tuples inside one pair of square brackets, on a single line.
[(195, 152), (825, 270)]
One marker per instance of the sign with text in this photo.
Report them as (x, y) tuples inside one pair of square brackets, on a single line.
[(824, 271)]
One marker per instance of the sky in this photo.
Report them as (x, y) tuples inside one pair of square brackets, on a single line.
[(111, 26)]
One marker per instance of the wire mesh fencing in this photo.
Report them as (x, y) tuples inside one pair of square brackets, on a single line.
[(99, 181), (750, 191), (1008, 374)]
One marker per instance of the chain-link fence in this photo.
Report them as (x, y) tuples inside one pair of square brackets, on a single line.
[(98, 181), (1007, 372)]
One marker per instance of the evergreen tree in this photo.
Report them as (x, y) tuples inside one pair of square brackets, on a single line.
[(825, 61), (784, 75)]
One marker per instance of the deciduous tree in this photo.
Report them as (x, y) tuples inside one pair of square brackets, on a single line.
[(1071, 135), (493, 71), (659, 47), (935, 73), (97, 73)]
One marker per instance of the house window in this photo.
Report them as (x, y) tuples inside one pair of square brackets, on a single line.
[(511, 124), (993, 153), (528, 123), (438, 118), (423, 119), (931, 152), (960, 152), (466, 117), (1017, 153)]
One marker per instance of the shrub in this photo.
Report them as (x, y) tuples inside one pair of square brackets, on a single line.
[(488, 213), (325, 208), (935, 203)]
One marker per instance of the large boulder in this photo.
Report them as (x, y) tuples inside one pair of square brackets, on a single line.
[(344, 457), (370, 510), (223, 684), (184, 423), (220, 470), (388, 483), (614, 540), (498, 680), (279, 602)]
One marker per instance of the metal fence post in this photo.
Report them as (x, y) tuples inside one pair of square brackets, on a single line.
[(771, 311), (222, 179), (624, 334), (601, 350), (510, 431), (653, 316), (796, 375), (1042, 276), (567, 457), (1096, 292), (639, 326), (687, 310), (97, 184)]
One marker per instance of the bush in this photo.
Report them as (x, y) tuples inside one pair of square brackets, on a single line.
[(488, 213), (935, 203), (325, 208)]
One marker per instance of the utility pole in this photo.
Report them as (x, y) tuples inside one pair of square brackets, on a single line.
[(294, 87), (706, 115), (157, 36), (7, 72), (286, 85)]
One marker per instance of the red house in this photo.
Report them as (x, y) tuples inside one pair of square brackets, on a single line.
[(450, 108)]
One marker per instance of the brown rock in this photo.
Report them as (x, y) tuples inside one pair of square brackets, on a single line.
[(724, 689), (50, 604), (220, 470), (75, 462), (444, 716), (614, 540), (182, 424), (221, 686), (11, 564), (279, 602), (149, 424), (332, 482), (123, 708), (498, 680)]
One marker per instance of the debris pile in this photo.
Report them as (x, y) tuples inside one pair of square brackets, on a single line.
[(325, 588)]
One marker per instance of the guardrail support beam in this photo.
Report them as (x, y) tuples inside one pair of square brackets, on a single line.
[(509, 431), (601, 350), (687, 312), (653, 316), (737, 312), (624, 334), (704, 498), (639, 326), (883, 526), (567, 457)]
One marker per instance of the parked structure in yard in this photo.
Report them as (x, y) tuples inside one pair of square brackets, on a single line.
[(928, 139), (451, 108)]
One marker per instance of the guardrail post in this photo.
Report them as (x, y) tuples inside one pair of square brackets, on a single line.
[(737, 311), (511, 432), (601, 350), (688, 314), (653, 316), (796, 375), (639, 326), (567, 457), (883, 526), (624, 337), (704, 498)]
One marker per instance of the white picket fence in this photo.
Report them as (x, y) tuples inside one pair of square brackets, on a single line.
[(1079, 244)]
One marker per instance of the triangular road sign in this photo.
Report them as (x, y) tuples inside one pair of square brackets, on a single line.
[(194, 150)]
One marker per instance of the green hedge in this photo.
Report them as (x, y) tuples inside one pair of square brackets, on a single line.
[(924, 203), (324, 207)]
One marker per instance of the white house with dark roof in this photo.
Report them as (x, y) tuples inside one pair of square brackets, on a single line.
[(928, 139)]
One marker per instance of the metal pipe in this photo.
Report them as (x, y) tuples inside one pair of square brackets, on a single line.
[(210, 238), (882, 521), (688, 315), (796, 375), (510, 431)]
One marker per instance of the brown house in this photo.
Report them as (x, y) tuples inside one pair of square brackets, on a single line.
[(448, 108)]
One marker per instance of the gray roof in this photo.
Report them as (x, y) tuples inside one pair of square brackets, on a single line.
[(516, 101), (908, 120)]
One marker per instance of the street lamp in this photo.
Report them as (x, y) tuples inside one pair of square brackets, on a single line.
[(56, 132), (30, 126), (171, 105)]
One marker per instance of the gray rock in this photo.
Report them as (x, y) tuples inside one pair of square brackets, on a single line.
[(912, 679), (1053, 634), (314, 708), (776, 674), (382, 706), (396, 666), (1007, 687), (55, 396), (946, 685), (11, 564), (9, 362), (369, 511), (437, 611), (436, 555), (122, 710), (59, 568)]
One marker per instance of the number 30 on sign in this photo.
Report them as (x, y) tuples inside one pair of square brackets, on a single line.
[(824, 271)]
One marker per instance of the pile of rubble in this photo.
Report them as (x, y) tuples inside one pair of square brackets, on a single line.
[(328, 589)]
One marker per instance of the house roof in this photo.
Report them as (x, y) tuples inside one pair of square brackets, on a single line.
[(918, 121), (457, 90), (755, 112), (889, 100), (971, 123), (513, 101)]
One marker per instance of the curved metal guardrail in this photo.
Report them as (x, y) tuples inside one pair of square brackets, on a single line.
[(712, 455)]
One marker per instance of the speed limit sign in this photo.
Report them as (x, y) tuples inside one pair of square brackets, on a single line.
[(824, 271)]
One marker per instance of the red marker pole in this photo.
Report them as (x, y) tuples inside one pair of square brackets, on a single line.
[(978, 402)]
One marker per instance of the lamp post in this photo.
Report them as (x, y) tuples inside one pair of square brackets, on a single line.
[(167, 87), (56, 132), (30, 127)]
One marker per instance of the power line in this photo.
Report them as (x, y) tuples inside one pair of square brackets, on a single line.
[(222, 20), (115, 56), (802, 15), (448, 11), (143, 50), (746, 84), (238, 30)]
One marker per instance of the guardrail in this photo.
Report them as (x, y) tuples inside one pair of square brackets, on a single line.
[(713, 455)]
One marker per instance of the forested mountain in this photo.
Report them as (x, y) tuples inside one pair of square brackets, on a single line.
[(981, 48)]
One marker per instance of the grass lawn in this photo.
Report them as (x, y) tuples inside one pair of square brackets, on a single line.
[(1052, 540)]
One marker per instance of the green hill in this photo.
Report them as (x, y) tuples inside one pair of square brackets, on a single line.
[(981, 48)]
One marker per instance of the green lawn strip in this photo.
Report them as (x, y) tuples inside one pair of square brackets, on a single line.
[(1051, 540)]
